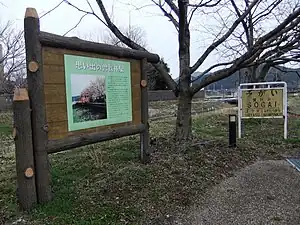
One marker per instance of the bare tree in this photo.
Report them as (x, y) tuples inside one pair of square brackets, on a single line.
[(253, 27), (134, 33), (12, 58), (138, 35), (277, 44)]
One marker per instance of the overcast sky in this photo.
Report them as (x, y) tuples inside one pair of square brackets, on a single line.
[(80, 82), (160, 33)]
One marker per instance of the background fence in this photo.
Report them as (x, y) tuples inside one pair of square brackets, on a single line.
[(164, 95), (168, 95), (6, 102)]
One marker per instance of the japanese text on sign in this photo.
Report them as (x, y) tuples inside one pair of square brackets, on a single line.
[(262, 103)]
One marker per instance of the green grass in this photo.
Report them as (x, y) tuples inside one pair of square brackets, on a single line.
[(106, 184), (5, 129), (5, 123)]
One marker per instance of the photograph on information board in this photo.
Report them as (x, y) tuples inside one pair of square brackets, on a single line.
[(98, 92), (88, 97)]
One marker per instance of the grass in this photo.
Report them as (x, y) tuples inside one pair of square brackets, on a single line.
[(161, 109), (106, 184), (5, 129), (5, 123)]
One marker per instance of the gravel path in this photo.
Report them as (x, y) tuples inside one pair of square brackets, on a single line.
[(267, 192)]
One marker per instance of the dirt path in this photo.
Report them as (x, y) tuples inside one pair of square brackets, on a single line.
[(266, 193)]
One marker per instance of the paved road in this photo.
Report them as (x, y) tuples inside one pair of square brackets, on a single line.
[(265, 193)]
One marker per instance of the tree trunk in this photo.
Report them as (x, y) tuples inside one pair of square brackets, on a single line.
[(259, 73), (263, 71), (184, 117), (252, 71), (184, 120)]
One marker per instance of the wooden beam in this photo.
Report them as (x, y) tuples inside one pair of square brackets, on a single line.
[(145, 136), (26, 189), (73, 43), (35, 81), (60, 145)]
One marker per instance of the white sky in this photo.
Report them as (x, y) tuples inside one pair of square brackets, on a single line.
[(80, 82), (161, 34)]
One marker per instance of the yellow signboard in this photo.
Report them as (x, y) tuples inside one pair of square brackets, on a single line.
[(262, 103)]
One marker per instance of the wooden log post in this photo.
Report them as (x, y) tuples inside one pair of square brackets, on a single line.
[(63, 144), (26, 190), (74, 43), (35, 81), (144, 136)]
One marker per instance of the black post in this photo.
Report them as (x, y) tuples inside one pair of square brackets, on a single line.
[(232, 130)]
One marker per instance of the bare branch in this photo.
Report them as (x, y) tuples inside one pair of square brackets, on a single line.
[(207, 4), (223, 38), (85, 12), (51, 10), (91, 8), (210, 68), (135, 33), (243, 21), (12, 58), (173, 6), (171, 83), (266, 12), (281, 27), (1, 3), (136, 7), (248, 59), (76, 25), (201, 4), (169, 15)]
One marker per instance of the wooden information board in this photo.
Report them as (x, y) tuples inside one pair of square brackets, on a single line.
[(74, 101), (79, 93)]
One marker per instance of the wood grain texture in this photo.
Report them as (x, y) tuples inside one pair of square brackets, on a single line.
[(35, 82), (27, 196), (144, 136), (91, 138), (55, 92), (31, 12), (20, 94), (53, 40), (33, 66)]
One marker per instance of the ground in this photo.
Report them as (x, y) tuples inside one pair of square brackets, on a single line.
[(262, 193), (106, 184)]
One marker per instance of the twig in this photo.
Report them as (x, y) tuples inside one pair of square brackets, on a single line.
[(75, 25), (55, 7), (86, 12)]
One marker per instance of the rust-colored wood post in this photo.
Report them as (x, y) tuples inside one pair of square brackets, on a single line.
[(145, 136), (35, 81), (26, 190)]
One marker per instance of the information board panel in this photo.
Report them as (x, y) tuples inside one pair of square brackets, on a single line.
[(262, 100), (262, 103), (89, 92), (98, 92)]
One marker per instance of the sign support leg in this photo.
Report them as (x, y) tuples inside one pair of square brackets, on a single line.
[(285, 100), (239, 114)]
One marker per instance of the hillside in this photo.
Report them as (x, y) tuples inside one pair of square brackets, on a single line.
[(291, 77)]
